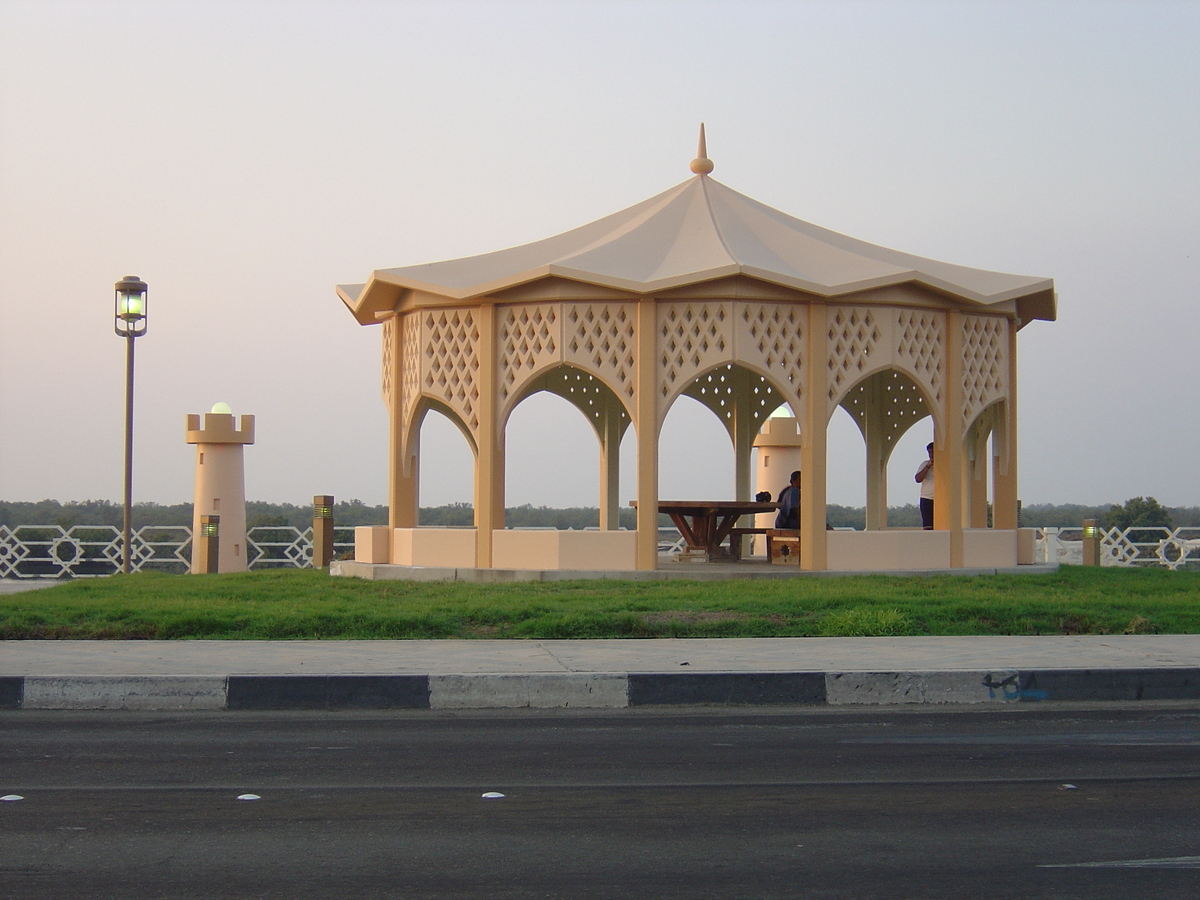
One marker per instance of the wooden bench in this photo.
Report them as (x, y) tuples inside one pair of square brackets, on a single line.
[(735, 540)]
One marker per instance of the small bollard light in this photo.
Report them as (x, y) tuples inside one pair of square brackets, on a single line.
[(322, 531), (1092, 535), (209, 545)]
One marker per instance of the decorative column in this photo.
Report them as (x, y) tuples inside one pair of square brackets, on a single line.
[(221, 483), (489, 459), (610, 465), (948, 456), (977, 470), (875, 439), (647, 434), (403, 471), (813, 432), (1004, 466)]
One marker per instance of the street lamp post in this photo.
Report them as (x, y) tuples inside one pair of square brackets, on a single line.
[(130, 323)]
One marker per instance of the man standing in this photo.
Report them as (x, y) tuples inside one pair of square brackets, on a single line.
[(925, 479)]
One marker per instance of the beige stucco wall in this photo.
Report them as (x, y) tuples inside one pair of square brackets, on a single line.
[(987, 547), (443, 547), (583, 550), (372, 544), (894, 548)]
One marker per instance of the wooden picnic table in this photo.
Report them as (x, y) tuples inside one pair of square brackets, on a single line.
[(705, 524)]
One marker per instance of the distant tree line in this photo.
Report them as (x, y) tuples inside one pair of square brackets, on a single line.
[(1136, 512)]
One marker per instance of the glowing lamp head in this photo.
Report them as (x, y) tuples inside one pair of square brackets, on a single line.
[(130, 306)]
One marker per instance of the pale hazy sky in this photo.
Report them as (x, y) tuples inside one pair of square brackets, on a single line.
[(244, 157)]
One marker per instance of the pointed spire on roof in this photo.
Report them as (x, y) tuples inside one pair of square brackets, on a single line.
[(702, 165)]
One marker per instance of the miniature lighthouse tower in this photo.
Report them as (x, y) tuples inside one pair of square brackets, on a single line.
[(778, 445), (220, 485)]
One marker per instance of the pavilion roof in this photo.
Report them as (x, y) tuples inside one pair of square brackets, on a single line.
[(698, 231)]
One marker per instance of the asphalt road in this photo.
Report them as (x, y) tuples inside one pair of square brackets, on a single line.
[(1032, 802)]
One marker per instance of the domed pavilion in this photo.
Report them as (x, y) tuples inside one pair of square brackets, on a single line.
[(705, 292)]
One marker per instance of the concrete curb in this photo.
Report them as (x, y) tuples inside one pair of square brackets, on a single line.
[(594, 690)]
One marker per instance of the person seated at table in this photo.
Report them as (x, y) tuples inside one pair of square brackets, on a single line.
[(762, 497), (789, 505)]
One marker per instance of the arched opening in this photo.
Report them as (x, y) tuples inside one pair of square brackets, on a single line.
[(885, 406), (695, 455), (551, 455), (556, 434), (983, 449), (445, 470)]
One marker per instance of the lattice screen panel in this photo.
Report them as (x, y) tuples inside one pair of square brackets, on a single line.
[(985, 363), (530, 339), (920, 342), (450, 361), (854, 343), (771, 336), (410, 365), (602, 338), (692, 337), (389, 331)]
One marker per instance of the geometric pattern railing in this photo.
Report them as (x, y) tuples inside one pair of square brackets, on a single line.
[(93, 551), (1171, 548)]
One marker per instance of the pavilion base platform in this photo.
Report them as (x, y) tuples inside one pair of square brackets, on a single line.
[(449, 554), (668, 569)]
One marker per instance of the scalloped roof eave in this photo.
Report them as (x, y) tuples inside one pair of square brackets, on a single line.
[(697, 231)]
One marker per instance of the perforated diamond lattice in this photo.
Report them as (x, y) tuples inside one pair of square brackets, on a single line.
[(529, 340), (450, 362), (985, 363), (692, 337), (853, 337), (389, 337), (771, 336), (588, 394), (602, 338), (410, 364), (730, 386), (920, 347), (897, 402)]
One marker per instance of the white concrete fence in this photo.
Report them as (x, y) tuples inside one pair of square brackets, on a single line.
[(91, 551)]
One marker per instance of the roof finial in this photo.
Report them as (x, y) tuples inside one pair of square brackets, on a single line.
[(702, 165)]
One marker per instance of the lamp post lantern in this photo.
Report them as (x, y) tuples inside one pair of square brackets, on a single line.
[(130, 323)]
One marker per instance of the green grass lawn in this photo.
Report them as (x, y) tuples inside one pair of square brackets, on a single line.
[(304, 604)]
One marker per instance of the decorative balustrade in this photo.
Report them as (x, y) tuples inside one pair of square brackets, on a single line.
[(1171, 548), (89, 551)]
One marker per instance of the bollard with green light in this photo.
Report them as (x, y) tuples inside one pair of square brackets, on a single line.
[(1092, 535), (322, 530)]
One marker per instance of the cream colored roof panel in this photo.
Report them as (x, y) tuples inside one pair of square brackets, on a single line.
[(694, 232)]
